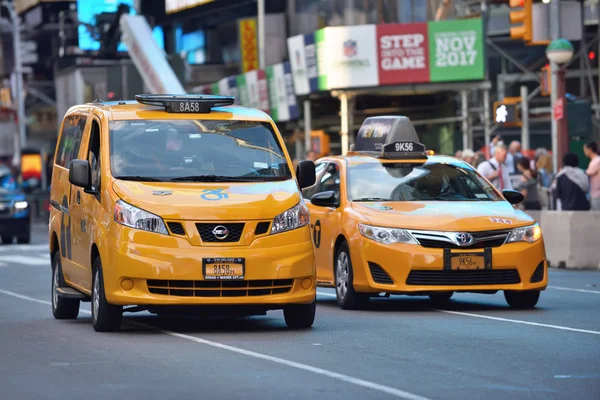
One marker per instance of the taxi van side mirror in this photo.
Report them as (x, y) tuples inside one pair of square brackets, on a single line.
[(513, 196), (324, 199), (305, 172), (80, 174)]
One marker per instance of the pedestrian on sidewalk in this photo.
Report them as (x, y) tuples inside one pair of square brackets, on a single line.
[(591, 151), (495, 169), (571, 185), (528, 185)]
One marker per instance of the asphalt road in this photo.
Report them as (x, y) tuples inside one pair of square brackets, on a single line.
[(399, 348)]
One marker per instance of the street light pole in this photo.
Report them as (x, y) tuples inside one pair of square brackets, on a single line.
[(18, 71), (261, 33)]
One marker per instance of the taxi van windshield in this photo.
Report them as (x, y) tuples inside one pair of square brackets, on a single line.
[(405, 182), (196, 150)]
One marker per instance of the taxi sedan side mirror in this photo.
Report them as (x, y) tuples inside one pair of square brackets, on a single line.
[(80, 174), (305, 172), (513, 196), (325, 199)]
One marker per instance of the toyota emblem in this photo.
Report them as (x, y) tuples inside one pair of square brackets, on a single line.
[(463, 239), (220, 232)]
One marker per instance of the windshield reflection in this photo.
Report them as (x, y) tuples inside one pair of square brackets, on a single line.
[(405, 182)]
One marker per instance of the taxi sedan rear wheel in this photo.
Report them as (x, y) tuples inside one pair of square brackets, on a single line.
[(346, 296), (105, 317), (524, 299)]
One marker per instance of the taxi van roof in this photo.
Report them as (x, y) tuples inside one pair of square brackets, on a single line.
[(134, 109)]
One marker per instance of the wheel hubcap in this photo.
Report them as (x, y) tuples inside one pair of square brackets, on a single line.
[(342, 272), (55, 286), (96, 296)]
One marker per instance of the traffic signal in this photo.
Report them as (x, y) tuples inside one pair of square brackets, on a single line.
[(506, 112), (525, 17)]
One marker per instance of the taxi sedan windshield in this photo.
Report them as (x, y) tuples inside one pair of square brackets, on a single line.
[(196, 150), (406, 182)]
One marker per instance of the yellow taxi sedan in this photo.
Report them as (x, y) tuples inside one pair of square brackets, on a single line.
[(386, 218)]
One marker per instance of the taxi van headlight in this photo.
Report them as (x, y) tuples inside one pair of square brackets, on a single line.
[(386, 235), (133, 217), (295, 217), (528, 234)]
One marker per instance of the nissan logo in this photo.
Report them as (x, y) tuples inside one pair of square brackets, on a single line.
[(220, 232), (463, 239)]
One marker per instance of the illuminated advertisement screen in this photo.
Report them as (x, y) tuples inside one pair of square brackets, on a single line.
[(87, 11), (173, 6)]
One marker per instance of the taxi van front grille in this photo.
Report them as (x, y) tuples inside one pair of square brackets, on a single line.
[(187, 288), (464, 278), (176, 228), (443, 240), (206, 232)]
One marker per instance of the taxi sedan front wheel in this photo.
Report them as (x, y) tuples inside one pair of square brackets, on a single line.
[(346, 296), (522, 300)]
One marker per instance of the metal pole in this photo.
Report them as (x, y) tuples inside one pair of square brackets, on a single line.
[(307, 126), (524, 118), (18, 71), (344, 116), (554, 34), (465, 119), (486, 117), (261, 33)]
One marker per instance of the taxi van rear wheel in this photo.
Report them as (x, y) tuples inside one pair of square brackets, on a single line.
[(347, 297), (62, 308), (105, 317), (522, 300), (300, 316)]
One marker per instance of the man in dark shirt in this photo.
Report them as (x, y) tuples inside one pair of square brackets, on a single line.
[(572, 185)]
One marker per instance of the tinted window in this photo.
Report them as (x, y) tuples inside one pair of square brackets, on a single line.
[(70, 140), (196, 150), (308, 192), (94, 154), (402, 182)]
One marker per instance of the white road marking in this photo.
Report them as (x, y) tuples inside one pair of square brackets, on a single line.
[(319, 371), (515, 321), (26, 260), (574, 290), (26, 247)]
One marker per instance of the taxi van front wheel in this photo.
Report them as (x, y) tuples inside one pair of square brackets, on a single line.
[(105, 317), (523, 299), (300, 316), (346, 296)]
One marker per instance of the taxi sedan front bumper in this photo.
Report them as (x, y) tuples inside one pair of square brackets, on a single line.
[(412, 268), (172, 275)]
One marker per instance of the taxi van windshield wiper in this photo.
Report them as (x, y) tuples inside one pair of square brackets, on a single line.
[(212, 178), (372, 199), (138, 178)]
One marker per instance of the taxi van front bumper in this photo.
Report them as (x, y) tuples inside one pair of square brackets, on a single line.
[(412, 268), (147, 269)]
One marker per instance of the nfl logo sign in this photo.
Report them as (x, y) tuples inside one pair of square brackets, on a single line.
[(350, 48)]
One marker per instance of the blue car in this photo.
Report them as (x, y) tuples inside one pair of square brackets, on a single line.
[(15, 216)]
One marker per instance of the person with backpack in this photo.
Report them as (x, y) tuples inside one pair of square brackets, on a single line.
[(495, 169), (572, 185)]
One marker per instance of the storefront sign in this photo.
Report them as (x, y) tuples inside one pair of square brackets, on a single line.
[(233, 90), (242, 89), (298, 64), (402, 53), (456, 50), (346, 57), (224, 87), (248, 44), (277, 95), (289, 90)]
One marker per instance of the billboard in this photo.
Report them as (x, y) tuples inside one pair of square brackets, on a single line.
[(248, 44), (403, 55)]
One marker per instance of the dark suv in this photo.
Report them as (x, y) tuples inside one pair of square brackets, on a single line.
[(15, 216)]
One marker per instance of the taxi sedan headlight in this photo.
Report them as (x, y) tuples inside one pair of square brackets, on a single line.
[(386, 235), (133, 217), (295, 217), (528, 234)]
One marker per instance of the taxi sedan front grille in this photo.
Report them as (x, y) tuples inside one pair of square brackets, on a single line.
[(188, 288), (445, 240), (463, 278)]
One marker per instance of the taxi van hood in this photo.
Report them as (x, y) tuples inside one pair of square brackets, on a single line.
[(444, 215), (210, 201)]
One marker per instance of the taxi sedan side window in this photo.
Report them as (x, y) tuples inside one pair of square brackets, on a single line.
[(310, 191)]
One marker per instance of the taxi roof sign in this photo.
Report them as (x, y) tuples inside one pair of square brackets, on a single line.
[(185, 103), (391, 137)]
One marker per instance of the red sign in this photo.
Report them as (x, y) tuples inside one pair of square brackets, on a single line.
[(559, 108), (403, 53)]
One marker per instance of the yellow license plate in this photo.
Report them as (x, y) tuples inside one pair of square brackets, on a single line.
[(467, 261), (223, 268)]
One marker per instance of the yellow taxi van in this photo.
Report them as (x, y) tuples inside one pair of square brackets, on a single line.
[(388, 218), (178, 204)]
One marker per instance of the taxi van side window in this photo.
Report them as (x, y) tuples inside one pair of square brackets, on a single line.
[(70, 140), (310, 191), (94, 154)]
